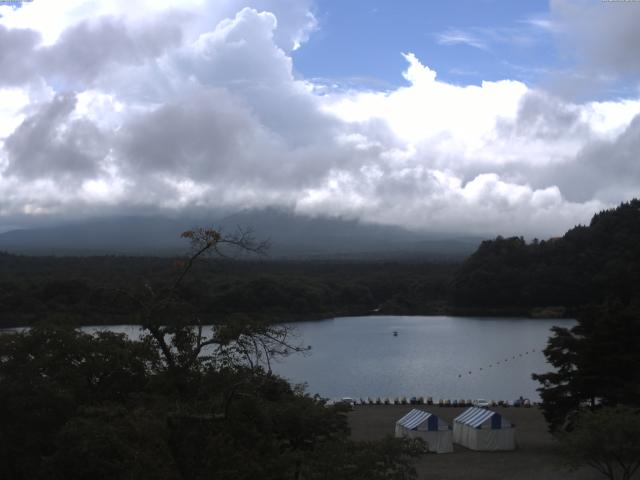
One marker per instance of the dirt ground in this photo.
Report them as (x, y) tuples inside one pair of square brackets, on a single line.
[(535, 458)]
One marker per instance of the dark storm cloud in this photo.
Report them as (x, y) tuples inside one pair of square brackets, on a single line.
[(213, 138), (605, 169), (199, 136), (49, 144), (600, 166)]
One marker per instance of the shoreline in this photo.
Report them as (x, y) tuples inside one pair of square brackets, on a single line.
[(100, 320)]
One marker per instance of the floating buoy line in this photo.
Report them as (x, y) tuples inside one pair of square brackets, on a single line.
[(499, 362)]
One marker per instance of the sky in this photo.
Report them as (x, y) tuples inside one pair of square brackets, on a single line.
[(480, 117)]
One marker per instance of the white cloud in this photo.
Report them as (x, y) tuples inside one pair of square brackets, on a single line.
[(541, 23), (524, 34), (213, 115), (432, 111), (454, 36), (12, 103)]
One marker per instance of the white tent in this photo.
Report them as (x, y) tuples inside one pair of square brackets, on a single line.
[(427, 426), (482, 429)]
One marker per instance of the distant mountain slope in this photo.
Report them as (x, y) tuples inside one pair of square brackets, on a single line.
[(294, 235), (290, 236), (135, 235), (588, 264)]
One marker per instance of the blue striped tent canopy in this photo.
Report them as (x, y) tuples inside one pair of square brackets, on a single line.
[(475, 417), (415, 418)]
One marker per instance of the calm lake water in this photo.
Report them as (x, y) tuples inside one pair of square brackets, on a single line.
[(430, 356)]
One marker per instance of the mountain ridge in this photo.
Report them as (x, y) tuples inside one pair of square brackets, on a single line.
[(290, 236)]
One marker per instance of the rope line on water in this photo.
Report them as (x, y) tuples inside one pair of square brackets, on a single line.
[(513, 357)]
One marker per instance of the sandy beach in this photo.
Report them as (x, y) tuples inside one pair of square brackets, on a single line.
[(536, 456)]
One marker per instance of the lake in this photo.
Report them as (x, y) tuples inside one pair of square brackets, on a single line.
[(438, 356)]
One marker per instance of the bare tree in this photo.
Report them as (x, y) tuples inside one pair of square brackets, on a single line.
[(175, 326)]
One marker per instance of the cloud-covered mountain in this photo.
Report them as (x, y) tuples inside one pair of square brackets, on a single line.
[(289, 236)]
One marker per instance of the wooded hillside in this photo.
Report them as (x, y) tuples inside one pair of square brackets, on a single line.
[(589, 264)]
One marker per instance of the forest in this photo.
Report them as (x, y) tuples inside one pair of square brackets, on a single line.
[(589, 264), (97, 290)]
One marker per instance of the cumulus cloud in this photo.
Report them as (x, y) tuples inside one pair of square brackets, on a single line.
[(170, 107)]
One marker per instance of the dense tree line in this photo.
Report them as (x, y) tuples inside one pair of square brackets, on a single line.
[(99, 289), (589, 264)]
